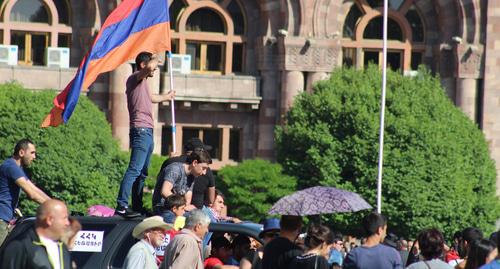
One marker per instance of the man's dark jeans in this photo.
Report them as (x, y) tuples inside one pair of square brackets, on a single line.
[(141, 143)]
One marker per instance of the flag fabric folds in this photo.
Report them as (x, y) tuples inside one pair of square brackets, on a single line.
[(134, 26)]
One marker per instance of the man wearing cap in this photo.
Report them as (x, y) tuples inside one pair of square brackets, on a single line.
[(203, 188), (151, 234)]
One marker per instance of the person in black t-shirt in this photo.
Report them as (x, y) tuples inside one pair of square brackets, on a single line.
[(282, 250), (203, 188)]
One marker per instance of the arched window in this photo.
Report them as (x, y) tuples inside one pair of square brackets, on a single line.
[(212, 32), (29, 11), (205, 20), (362, 33), (374, 29), (35, 25)]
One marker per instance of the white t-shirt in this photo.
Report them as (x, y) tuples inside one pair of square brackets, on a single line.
[(53, 251)]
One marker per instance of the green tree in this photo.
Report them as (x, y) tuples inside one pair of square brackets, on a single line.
[(253, 186), (437, 168), (78, 162)]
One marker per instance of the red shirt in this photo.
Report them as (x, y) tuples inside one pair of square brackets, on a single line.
[(211, 262)]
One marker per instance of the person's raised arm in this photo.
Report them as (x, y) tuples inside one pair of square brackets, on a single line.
[(33, 192), (148, 71)]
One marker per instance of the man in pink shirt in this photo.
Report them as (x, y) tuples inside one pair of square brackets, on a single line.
[(140, 100)]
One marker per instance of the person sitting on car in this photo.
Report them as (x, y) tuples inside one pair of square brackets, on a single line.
[(174, 207), (221, 251), (150, 231), (173, 178), (173, 213), (217, 207)]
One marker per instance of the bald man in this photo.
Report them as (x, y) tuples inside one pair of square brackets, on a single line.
[(41, 247)]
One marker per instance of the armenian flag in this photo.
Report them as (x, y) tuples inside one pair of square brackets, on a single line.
[(134, 26)]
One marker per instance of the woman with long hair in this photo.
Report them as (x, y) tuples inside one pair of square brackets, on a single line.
[(318, 242), (481, 252)]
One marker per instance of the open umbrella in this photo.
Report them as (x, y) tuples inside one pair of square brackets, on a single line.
[(319, 200)]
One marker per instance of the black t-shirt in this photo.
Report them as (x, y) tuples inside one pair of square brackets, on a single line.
[(201, 184), (309, 261), (279, 253)]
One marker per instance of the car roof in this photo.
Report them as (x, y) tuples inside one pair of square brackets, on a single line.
[(247, 228)]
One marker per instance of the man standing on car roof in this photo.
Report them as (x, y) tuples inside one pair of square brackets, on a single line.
[(140, 100), (13, 178), (40, 247)]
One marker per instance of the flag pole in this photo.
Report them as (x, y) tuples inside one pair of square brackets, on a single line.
[(382, 109), (169, 55)]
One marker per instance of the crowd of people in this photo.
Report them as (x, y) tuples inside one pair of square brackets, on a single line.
[(185, 201)]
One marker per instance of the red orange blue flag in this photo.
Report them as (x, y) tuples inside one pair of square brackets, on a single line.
[(134, 26)]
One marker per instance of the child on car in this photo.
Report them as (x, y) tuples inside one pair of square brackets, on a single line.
[(172, 212)]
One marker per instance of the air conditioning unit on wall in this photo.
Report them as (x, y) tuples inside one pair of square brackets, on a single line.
[(181, 63), (8, 54), (57, 57)]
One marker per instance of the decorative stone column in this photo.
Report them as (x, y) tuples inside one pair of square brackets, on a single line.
[(268, 114), (118, 104), (466, 96), (293, 84), (313, 77), (469, 59)]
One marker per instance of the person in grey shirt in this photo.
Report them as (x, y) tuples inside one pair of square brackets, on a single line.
[(150, 231), (173, 178), (431, 242)]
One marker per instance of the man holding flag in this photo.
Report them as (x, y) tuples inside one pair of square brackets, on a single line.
[(140, 100), (135, 26)]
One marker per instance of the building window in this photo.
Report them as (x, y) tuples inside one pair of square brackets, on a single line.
[(175, 10), (64, 41), (361, 29), (214, 49), (417, 27), (351, 21), (374, 29), (209, 136), (32, 44), (29, 11), (234, 145), (64, 11), (205, 20), (205, 57)]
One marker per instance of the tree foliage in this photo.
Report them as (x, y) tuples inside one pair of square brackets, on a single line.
[(78, 162), (253, 186), (437, 168)]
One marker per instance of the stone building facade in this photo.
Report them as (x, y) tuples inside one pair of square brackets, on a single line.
[(250, 58)]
